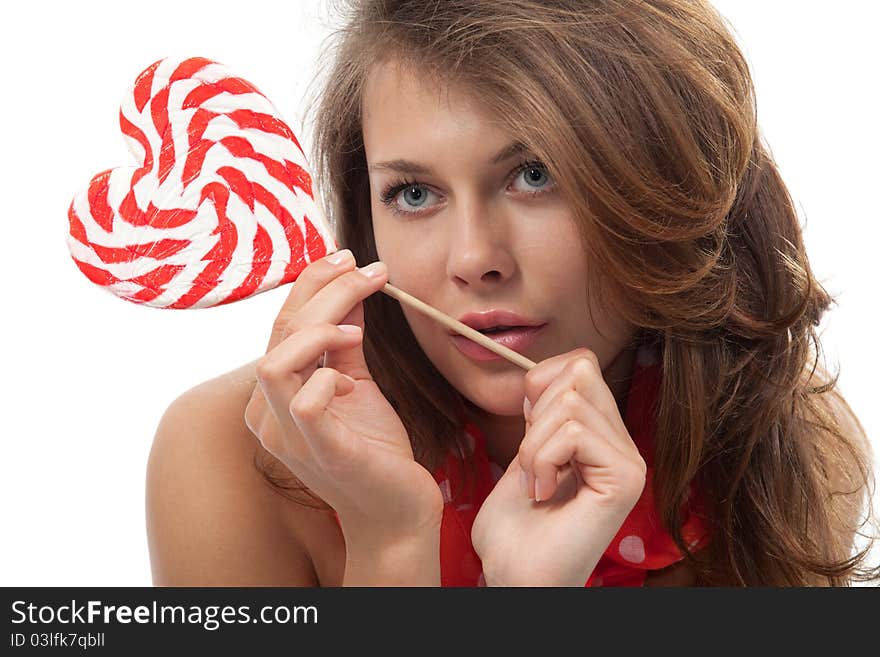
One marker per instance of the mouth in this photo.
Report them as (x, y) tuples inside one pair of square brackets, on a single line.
[(518, 339), (498, 322), (497, 333), (514, 330)]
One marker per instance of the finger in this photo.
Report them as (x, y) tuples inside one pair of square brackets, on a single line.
[(573, 441), (309, 281), (569, 406), (580, 372), (548, 370), (342, 302), (274, 433), (349, 358), (333, 302), (255, 411), (333, 447), (296, 358), (564, 394), (282, 372)]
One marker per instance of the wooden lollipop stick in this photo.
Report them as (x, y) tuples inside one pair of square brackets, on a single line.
[(458, 327)]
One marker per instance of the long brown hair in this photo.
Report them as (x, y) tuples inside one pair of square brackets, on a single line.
[(644, 112)]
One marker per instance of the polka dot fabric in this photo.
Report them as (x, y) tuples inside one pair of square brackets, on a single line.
[(640, 545)]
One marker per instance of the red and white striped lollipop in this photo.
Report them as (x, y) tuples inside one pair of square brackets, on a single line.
[(220, 207)]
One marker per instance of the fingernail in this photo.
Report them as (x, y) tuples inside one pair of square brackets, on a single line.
[(537, 494), (340, 256), (527, 408), (373, 270), (349, 328), (524, 483)]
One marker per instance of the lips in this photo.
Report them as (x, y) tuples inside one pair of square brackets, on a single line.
[(492, 319), (517, 339)]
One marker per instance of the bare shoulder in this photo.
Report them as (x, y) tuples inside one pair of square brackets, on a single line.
[(212, 518)]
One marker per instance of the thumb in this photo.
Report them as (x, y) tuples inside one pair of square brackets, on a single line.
[(350, 360)]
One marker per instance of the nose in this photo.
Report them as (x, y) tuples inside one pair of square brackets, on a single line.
[(479, 245)]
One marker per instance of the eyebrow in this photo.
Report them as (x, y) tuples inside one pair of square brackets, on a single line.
[(408, 166)]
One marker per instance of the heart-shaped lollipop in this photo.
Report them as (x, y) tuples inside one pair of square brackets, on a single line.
[(221, 206)]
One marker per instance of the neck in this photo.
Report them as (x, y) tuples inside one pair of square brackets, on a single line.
[(504, 433)]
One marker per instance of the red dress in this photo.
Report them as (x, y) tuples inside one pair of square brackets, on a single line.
[(640, 545)]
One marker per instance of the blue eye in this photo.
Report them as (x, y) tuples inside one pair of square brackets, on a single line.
[(410, 197), (535, 177), (406, 197), (415, 196)]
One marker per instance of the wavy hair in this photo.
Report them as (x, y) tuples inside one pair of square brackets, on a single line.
[(645, 114)]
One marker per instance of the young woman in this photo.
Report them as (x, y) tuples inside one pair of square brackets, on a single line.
[(592, 174)]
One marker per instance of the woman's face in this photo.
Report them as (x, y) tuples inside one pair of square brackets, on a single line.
[(466, 231)]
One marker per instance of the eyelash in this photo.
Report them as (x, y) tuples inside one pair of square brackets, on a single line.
[(392, 189)]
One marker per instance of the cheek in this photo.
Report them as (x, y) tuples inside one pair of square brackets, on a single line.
[(390, 236), (559, 271), (382, 236), (550, 244), (415, 263), (427, 332)]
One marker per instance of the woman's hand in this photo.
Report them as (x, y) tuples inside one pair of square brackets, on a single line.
[(581, 466), (328, 422)]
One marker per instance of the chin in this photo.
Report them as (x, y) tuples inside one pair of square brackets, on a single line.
[(506, 405)]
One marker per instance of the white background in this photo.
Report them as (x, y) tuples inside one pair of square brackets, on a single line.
[(87, 376)]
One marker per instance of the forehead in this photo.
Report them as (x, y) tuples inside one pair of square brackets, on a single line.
[(402, 103)]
